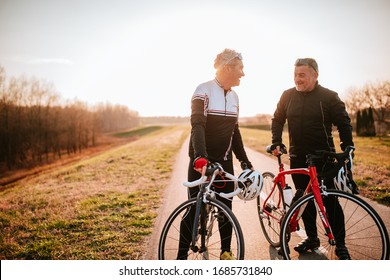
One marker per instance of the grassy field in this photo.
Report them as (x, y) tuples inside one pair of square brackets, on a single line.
[(100, 208), (103, 207), (137, 132), (371, 162)]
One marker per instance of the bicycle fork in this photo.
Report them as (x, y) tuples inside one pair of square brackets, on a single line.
[(316, 190), (321, 210), (199, 225)]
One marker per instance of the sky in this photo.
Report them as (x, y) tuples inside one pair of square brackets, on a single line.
[(150, 55)]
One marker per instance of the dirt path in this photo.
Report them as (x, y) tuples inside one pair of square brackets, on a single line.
[(256, 246), (174, 194)]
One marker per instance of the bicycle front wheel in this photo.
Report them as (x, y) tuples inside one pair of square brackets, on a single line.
[(353, 223), (270, 205), (175, 238)]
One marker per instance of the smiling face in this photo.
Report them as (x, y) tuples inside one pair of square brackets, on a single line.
[(230, 74), (235, 72), (305, 78)]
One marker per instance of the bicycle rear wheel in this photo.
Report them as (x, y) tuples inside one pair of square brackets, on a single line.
[(366, 236), (271, 214), (216, 212)]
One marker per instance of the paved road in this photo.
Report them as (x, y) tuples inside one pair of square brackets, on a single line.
[(256, 246)]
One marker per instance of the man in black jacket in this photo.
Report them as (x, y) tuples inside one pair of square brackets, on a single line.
[(311, 110), (215, 135)]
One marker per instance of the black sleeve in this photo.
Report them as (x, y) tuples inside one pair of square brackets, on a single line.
[(238, 147), (341, 119), (278, 120), (198, 127)]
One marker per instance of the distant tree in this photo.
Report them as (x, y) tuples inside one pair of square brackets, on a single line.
[(374, 96), (370, 123), (116, 117), (363, 130), (36, 126), (358, 122), (365, 125)]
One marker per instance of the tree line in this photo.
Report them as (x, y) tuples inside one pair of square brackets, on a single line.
[(365, 123), (369, 108), (37, 125)]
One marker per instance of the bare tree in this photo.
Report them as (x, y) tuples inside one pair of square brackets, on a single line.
[(35, 125), (116, 117), (376, 96)]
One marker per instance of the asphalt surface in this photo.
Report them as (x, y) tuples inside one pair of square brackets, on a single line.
[(256, 246)]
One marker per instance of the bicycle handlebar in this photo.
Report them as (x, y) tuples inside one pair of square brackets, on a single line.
[(213, 170), (231, 194), (339, 156), (344, 157), (272, 147), (321, 154), (195, 183)]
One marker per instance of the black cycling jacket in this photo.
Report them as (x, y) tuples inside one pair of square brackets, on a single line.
[(310, 117), (214, 119)]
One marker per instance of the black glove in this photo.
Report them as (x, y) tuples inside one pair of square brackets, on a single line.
[(246, 165), (272, 147)]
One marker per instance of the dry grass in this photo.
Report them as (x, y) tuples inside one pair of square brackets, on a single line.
[(371, 162), (103, 207), (372, 167), (99, 208)]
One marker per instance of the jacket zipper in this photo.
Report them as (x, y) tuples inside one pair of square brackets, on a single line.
[(225, 93)]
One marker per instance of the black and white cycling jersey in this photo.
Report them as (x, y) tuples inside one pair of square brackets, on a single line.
[(214, 119)]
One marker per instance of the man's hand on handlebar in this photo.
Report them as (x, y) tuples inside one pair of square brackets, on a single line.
[(200, 165), (246, 165), (277, 149)]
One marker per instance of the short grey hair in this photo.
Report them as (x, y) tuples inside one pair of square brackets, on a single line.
[(311, 62), (226, 57)]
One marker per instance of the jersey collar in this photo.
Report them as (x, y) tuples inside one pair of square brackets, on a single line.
[(221, 86)]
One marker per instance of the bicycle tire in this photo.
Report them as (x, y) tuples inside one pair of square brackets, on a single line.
[(170, 234), (275, 207), (366, 236)]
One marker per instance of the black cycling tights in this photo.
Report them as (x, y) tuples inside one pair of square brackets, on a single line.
[(225, 228), (334, 211)]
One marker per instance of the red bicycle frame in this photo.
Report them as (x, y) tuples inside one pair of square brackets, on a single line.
[(312, 187)]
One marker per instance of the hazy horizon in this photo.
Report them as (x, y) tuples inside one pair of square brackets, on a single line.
[(151, 55)]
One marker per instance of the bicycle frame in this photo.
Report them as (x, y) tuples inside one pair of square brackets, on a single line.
[(200, 214), (206, 191), (313, 186)]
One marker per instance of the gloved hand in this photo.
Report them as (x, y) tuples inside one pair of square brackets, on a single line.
[(246, 165), (200, 163), (278, 149)]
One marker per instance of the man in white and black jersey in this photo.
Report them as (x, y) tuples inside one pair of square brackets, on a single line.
[(215, 135)]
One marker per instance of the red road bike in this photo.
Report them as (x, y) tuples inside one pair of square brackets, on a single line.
[(366, 236)]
